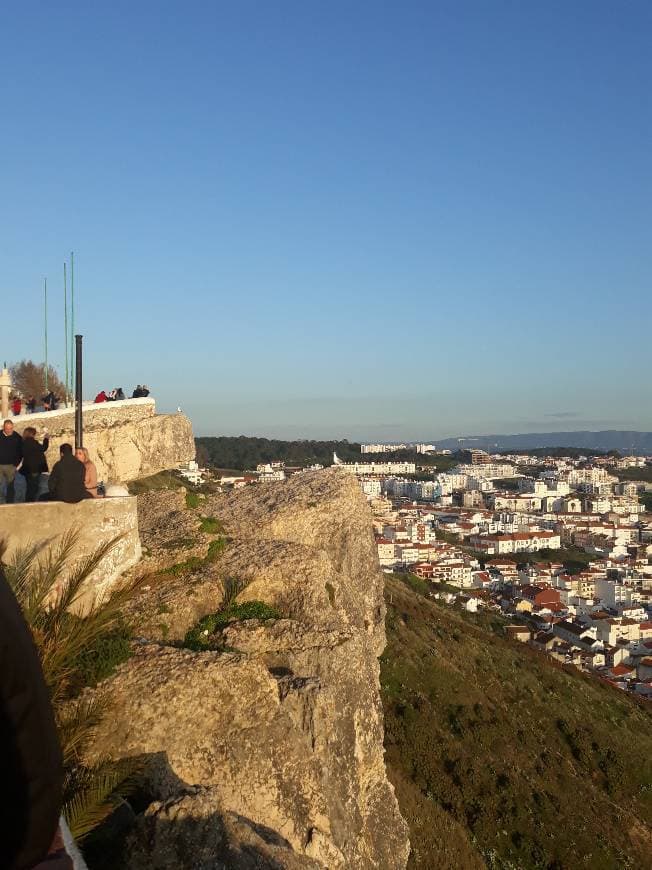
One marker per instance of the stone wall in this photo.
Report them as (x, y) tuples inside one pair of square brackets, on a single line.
[(98, 520), (126, 440)]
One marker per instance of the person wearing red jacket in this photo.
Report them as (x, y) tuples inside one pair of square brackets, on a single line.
[(16, 406)]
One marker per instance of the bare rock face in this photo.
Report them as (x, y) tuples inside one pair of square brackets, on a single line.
[(269, 754), (126, 440), (168, 829)]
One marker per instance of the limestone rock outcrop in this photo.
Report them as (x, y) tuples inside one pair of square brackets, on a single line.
[(126, 440), (268, 753)]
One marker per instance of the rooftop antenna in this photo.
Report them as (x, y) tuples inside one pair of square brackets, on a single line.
[(45, 325), (65, 327)]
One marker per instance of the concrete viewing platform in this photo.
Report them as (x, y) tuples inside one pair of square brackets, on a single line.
[(98, 520), (102, 413)]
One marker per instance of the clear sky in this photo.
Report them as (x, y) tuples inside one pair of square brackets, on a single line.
[(360, 219)]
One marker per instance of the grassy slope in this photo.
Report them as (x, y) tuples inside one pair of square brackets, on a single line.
[(499, 757)]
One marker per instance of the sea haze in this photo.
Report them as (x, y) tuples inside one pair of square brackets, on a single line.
[(609, 439)]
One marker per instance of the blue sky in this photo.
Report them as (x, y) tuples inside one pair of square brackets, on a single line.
[(358, 219)]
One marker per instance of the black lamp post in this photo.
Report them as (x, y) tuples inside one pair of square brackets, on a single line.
[(79, 432)]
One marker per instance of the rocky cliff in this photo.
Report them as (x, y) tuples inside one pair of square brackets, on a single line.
[(126, 440), (269, 751)]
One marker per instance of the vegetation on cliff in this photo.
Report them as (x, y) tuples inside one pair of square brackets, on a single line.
[(76, 652), (501, 759)]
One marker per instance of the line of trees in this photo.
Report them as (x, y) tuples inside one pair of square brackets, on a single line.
[(244, 453)]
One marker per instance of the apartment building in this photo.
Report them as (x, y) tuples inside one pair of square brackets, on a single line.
[(383, 448), (373, 468), (455, 572), (518, 542), (386, 551), (593, 474), (493, 470)]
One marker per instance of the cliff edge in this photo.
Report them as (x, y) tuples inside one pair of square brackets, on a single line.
[(269, 752)]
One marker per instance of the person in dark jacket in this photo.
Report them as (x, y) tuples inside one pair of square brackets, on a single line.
[(119, 394), (11, 454), (66, 483), (34, 461), (31, 405), (31, 766)]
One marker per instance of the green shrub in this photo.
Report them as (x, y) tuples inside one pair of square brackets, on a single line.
[(421, 587), (211, 526), (194, 563), (191, 564), (178, 544), (162, 480), (192, 500), (98, 661), (200, 637), (215, 548)]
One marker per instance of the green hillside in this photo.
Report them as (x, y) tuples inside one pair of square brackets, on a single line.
[(501, 759)]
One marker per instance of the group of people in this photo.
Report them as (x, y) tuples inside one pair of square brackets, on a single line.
[(73, 477), (50, 403), (118, 395)]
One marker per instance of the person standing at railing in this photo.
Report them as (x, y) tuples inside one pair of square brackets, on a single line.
[(11, 456), (34, 461)]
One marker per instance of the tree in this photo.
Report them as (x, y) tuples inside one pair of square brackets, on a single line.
[(29, 379)]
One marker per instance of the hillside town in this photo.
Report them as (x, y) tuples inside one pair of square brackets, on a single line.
[(559, 547)]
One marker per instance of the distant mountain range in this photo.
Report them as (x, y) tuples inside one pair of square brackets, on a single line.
[(610, 439)]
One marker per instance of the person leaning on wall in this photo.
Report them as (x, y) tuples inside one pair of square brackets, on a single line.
[(66, 481), (90, 471)]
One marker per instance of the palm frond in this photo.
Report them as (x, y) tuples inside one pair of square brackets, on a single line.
[(49, 576), (18, 570), (96, 791), (77, 723), (72, 588), (49, 591)]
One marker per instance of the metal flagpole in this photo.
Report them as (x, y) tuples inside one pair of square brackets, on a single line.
[(45, 318), (72, 319), (65, 327)]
